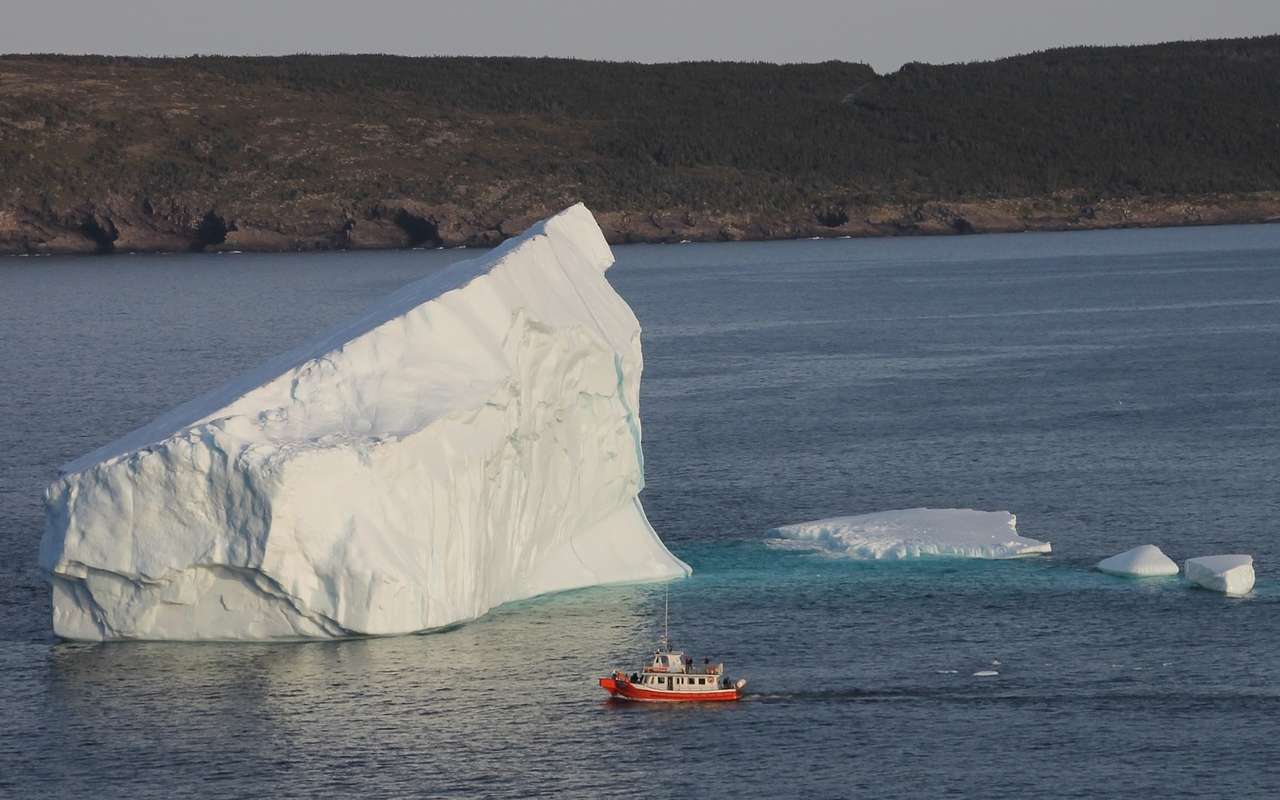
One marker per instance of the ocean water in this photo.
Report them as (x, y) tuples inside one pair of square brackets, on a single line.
[(1110, 388)]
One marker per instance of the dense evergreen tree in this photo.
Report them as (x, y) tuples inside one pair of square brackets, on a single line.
[(1197, 117)]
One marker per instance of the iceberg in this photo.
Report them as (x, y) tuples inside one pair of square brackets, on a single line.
[(1230, 574), (1144, 561), (912, 533), (471, 440)]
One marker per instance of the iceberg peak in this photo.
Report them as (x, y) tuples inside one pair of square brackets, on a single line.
[(472, 439)]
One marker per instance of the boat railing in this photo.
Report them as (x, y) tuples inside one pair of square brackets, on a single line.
[(703, 669)]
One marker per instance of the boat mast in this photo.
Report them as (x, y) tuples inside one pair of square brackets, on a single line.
[(666, 613)]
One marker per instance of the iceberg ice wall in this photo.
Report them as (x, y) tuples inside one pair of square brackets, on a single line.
[(471, 440)]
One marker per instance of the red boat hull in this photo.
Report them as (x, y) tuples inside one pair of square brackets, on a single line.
[(626, 690)]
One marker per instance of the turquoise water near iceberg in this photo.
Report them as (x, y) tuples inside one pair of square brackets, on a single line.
[(1110, 388)]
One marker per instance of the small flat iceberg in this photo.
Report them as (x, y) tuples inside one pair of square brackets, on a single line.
[(911, 533), (1144, 561), (1229, 574)]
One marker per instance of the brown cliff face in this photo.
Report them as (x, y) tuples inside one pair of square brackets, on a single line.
[(102, 155)]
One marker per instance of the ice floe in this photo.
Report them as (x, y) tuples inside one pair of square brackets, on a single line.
[(1144, 561), (911, 533), (1229, 574)]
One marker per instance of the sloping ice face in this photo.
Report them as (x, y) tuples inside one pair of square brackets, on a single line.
[(471, 440), (1143, 561)]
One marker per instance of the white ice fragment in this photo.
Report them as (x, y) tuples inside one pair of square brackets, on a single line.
[(985, 673), (1229, 574), (1144, 561), (472, 439), (953, 532)]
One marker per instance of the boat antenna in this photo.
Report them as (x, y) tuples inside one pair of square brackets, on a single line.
[(666, 613)]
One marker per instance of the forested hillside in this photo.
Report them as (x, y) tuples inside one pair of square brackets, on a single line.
[(101, 153)]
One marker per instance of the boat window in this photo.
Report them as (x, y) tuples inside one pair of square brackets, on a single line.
[(702, 681)]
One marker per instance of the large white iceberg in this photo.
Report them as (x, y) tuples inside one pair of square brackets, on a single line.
[(1230, 574), (913, 533), (471, 440), (1143, 561)]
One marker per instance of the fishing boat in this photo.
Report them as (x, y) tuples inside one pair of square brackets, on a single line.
[(671, 677)]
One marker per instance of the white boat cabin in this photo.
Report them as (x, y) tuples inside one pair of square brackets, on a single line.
[(674, 671)]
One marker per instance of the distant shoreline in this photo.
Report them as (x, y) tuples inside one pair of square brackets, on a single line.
[(103, 154), (24, 233)]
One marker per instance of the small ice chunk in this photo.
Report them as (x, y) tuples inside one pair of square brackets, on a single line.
[(985, 673), (1144, 561), (1229, 574), (916, 532)]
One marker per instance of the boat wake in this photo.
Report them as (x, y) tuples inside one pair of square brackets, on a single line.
[(1082, 700)]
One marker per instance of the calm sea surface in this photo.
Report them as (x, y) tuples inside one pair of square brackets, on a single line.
[(1111, 389)]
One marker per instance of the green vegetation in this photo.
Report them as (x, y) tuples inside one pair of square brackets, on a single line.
[(287, 143)]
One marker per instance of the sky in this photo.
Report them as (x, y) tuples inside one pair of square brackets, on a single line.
[(885, 34)]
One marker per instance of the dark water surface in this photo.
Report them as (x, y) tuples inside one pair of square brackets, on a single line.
[(1110, 388)]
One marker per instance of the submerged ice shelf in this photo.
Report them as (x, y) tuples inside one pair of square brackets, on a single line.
[(912, 533), (471, 440)]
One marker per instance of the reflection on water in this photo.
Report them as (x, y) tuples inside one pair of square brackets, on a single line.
[(836, 651), (470, 710)]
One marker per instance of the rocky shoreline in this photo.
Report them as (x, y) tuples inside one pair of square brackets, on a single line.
[(140, 227)]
